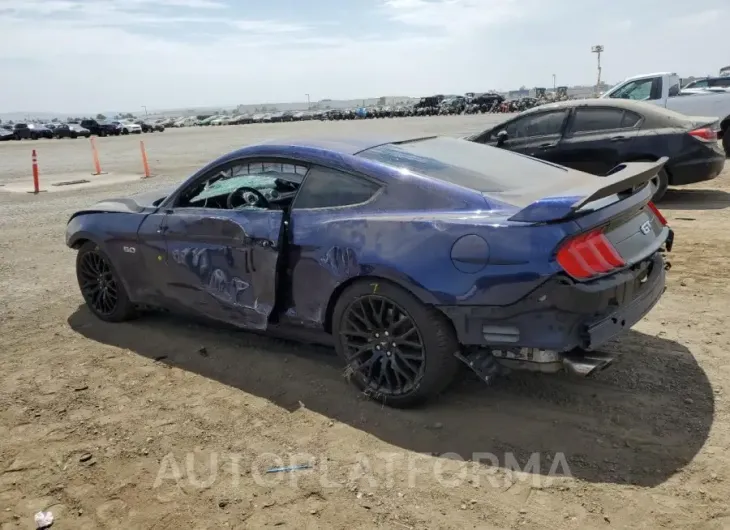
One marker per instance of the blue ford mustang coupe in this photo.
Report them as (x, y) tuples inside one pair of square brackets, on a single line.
[(412, 255)]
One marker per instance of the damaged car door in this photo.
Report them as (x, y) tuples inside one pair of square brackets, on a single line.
[(222, 257)]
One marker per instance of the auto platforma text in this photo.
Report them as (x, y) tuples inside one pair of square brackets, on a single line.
[(450, 470)]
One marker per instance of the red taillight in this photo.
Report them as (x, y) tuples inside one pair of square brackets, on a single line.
[(706, 134), (589, 255), (658, 214)]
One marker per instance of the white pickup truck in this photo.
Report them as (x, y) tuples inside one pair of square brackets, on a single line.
[(664, 89)]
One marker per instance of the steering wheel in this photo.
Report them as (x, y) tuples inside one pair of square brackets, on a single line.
[(249, 196)]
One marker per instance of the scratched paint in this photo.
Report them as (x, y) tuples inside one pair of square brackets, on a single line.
[(218, 283), (226, 289), (341, 262)]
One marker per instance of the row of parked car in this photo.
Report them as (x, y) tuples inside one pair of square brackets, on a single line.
[(438, 105), (81, 129)]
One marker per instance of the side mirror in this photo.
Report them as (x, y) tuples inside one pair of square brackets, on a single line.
[(502, 137)]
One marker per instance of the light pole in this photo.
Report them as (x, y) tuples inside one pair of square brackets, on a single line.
[(554, 85), (598, 50), (309, 104), (145, 109)]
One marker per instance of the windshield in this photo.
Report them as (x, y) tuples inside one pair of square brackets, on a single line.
[(468, 164)]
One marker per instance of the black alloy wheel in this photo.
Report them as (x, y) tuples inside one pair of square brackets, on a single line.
[(97, 283), (397, 350), (100, 286), (382, 343)]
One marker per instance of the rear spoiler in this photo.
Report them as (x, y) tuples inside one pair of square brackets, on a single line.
[(622, 178)]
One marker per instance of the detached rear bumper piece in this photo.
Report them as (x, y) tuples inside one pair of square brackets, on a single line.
[(562, 315)]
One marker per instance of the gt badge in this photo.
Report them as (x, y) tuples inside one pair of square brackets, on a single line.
[(646, 227)]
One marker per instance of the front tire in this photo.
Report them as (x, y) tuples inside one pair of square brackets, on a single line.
[(101, 286), (397, 350)]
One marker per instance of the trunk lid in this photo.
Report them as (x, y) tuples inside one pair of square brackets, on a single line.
[(579, 193), (615, 208)]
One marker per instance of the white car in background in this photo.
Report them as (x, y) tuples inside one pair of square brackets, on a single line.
[(188, 121), (664, 89), (129, 127)]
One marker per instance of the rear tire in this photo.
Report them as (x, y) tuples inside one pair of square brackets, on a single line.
[(661, 183), (101, 286), (726, 141), (398, 351)]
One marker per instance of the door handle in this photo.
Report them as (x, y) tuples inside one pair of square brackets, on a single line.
[(548, 144), (619, 139), (162, 230)]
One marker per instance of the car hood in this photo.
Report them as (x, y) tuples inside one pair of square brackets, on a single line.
[(146, 202)]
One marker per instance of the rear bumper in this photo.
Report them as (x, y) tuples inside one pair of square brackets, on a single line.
[(562, 315), (697, 170)]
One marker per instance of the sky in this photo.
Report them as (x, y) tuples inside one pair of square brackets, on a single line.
[(89, 55)]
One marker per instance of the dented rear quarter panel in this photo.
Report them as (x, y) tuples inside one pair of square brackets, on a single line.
[(416, 254), (395, 238)]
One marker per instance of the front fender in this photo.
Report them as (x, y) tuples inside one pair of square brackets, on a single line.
[(115, 233)]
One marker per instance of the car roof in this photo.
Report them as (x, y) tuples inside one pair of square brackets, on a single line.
[(346, 146), (593, 102), (640, 107)]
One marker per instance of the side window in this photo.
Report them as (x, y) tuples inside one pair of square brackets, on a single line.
[(723, 82), (543, 124), (638, 90), (698, 84), (602, 119), (329, 188)]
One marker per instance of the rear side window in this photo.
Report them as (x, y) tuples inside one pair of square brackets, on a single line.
[(543, 124), (602, 119), (723, 82), (630, 119), (329, 188)]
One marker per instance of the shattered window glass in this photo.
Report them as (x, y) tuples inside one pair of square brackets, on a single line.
[(258, 175)]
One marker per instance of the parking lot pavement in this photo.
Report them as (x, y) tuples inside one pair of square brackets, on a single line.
[(162, 423)]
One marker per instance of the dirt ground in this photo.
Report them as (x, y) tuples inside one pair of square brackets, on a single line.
[(164, 423)]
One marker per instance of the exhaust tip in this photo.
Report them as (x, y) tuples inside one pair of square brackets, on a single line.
[(586, 365)]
